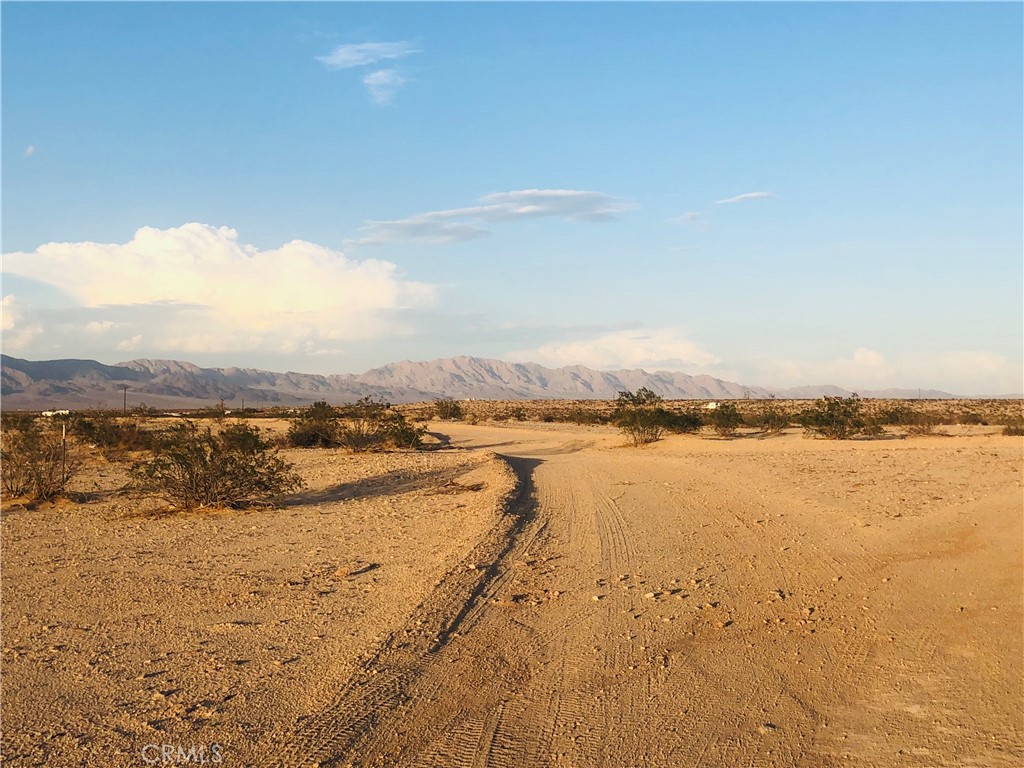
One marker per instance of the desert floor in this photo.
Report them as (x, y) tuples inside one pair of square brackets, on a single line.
[(538, 595)]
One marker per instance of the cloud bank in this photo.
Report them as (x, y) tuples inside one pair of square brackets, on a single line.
[(197, 288), (461, 224), (653, 349)]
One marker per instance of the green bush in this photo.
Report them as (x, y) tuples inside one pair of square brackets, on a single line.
[(837, 418), (316, 426), (770, 419), (640, 416), (448, 409), (681, 422), (193, 467), (725, 419), (36, 463)]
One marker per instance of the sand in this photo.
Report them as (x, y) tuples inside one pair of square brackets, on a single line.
[(538, 595)]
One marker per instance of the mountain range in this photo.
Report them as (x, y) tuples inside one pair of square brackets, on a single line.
[(176, 384)]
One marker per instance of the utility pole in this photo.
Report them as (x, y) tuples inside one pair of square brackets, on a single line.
[(125, 408)]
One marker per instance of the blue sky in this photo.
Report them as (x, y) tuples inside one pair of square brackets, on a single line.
[(776, 194)]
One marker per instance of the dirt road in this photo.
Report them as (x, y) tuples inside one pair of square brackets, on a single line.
[(778, 602)]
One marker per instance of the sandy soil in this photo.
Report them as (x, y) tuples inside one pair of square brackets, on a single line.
[(698, 602)]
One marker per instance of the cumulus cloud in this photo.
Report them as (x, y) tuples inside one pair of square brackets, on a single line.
[(744, 197), (363, 54), (214, 293), (30, 150), (660, 348), (383, 85), (17, 334), (450, 225)]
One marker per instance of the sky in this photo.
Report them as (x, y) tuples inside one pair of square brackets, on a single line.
[(773, 194)]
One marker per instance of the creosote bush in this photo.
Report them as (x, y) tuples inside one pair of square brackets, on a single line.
[(725, 419), (771, 420), (837, 418), (113, 436), (315, 427), (370, 424), (448, 409), (640, 416), (193, 467), (35, 462)]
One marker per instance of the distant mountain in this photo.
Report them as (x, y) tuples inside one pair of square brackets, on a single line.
[(177, 384)]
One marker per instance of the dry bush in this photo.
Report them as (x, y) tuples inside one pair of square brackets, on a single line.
[(193, 467), (448, 409), (36, 463), (315, 427)]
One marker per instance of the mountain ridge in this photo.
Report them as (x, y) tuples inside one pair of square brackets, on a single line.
[(175, 383)]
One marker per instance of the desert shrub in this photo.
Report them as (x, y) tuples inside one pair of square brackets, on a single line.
[(770, 419), (971, 418), (16, 420), (371, 424), (640, 416), (193, 467), (447, 408), (836, 418), (725, 419), (922, 424), (1015, 429), (316, 426), (582, 416), (681, 422), (35, 462), (113, 436)]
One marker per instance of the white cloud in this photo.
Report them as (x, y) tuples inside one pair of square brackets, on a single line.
[(383, 85), (745, 196), (99, 326), (8, 313), (364, 54), (437, 227), (217, 294), (130, 345), (690, 217), (16, 336), (654, 349), (30, 150)]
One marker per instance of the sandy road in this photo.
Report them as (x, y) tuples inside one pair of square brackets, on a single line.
[(783, 602)]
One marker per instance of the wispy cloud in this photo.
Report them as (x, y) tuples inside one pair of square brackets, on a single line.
[(450, 225), (745, 196), (691, 218), (383, 85), (364, 54), (30, 150)]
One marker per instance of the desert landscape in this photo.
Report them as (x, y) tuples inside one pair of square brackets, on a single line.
[(534, 594), (512, 385)]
